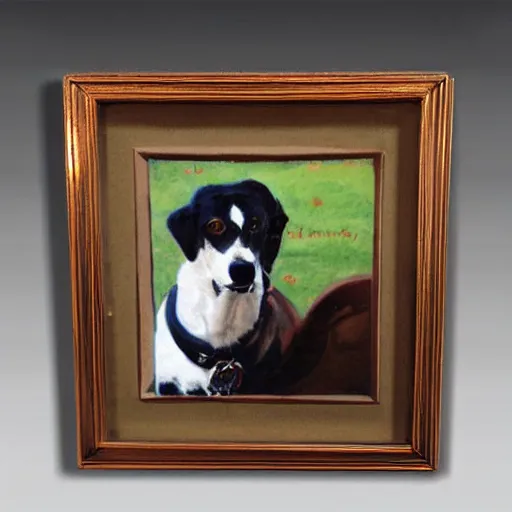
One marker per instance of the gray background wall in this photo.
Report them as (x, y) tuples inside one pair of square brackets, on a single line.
[(41, 41)]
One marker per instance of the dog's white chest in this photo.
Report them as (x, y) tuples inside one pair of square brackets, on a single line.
[(172, 365)]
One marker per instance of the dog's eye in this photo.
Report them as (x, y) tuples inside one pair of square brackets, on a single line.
[(254, 224), (216, 227)]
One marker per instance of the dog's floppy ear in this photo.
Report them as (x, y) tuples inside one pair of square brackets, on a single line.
[(277, 223), (183, 227)]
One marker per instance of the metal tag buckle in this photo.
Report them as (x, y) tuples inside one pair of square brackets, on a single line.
[(226, 378)]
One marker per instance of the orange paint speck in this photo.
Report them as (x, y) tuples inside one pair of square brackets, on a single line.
[(314, 166), (288, 278)]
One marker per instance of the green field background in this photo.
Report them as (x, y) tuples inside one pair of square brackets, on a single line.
[(320, 198)]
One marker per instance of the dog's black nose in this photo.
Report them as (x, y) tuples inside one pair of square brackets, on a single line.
[(242, 272)]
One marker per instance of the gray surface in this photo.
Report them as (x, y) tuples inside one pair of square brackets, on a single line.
[(42, 41)]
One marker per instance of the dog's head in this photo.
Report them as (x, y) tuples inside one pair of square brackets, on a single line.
[(236, 229)]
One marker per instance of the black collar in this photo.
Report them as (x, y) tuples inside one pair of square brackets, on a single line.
[(200, 351)]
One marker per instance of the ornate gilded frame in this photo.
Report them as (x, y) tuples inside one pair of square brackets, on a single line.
[(83, 95)]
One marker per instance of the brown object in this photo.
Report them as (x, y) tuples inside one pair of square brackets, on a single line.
[(332, 351), (93, 321)]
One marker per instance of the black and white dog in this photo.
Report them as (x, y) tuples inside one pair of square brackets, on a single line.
[(222, 329)]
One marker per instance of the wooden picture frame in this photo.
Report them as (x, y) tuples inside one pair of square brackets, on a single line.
[(92, 213)]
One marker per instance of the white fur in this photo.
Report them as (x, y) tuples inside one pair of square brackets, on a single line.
[(237, 216), (221, 320), (171, 364)]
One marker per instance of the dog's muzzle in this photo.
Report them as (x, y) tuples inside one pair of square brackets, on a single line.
[(242, 274)]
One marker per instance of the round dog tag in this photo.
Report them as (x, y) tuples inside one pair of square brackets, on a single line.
[(226, 378)]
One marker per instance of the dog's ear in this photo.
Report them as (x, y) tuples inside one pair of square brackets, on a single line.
[(277, 223), (182, 224)]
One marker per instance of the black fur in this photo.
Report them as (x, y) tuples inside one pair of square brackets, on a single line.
[(182, 223), (169, 388), (263, 236), (172, 389), (197, 392)]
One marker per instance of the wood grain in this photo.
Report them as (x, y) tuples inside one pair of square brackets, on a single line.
[(83, 95)]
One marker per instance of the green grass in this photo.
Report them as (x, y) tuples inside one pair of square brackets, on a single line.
[(305, 266)]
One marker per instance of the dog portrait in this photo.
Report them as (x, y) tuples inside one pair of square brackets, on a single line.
[(263, 278)]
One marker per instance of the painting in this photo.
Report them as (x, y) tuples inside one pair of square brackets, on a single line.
[(263, 277), (258, 268)]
